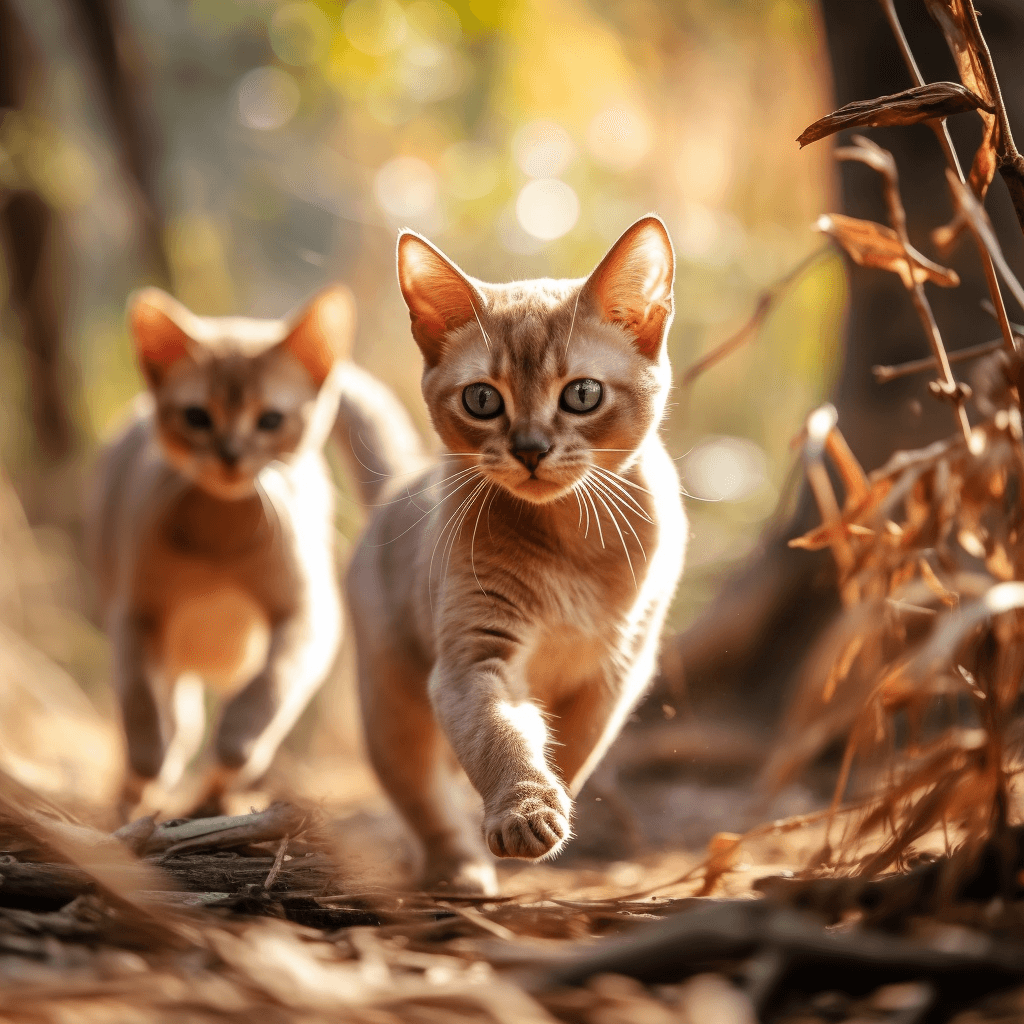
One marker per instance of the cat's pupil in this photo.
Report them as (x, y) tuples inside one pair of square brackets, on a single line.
[(482, 401), (270, 420), (582, 395), (196, 416)]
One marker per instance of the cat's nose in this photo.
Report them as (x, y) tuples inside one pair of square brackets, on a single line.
[(230, 454), (529, 447)]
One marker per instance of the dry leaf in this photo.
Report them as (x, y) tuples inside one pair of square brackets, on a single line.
[(921, 103), (874, 245)]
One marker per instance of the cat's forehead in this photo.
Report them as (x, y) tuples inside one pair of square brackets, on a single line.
[(234, 380)]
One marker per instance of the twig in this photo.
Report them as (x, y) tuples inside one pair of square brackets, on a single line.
[(765, 304), (275, 868), (881, 160), (941, 131), (884, 374)]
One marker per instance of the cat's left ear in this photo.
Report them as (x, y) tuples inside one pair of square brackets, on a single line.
[(322, 332), (440, 297), (632, 285)]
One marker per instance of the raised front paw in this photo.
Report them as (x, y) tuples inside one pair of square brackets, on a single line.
[(530, 820)]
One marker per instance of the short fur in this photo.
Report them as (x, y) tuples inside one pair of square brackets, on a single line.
[(213, 538), (508, 599)]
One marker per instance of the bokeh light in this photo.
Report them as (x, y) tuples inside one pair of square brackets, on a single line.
[(725, 469), (619, 137), (547, 208), (267, 99), (543, 149)]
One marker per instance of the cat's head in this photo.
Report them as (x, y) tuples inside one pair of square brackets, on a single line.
[(234, 394), (537, 382)]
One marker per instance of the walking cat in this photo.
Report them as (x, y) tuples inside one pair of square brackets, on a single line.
[(508, 598), (212, 535)]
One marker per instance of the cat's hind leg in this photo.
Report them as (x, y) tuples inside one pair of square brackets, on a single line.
[(414, 764)]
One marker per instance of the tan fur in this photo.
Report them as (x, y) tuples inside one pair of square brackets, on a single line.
[(213, 543), (508, 607)]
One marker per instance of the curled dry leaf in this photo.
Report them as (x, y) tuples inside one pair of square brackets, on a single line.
[(921, 103), (873, 245)]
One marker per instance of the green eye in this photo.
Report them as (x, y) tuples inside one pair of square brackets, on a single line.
[(482, 401), (582, 395), (270, 420), (197, 417)]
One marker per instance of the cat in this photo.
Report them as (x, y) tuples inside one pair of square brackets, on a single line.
[(507, 598), (212, 535)]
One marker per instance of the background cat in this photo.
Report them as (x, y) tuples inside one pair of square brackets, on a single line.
[(212, 535)]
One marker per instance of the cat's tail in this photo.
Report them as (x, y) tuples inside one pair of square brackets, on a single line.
[(375, 433)]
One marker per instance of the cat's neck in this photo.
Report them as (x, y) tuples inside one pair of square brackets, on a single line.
[(205, 525)]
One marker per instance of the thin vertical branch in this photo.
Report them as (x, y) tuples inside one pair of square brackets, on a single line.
[(941, 131)]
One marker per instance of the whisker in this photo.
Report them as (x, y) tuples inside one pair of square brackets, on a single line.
[(585, 482), (440, 501), (467, 507), (472, 542), (430, 568), (487, 341), (622, 540), (625, 520), (572, 323), (612, 480)]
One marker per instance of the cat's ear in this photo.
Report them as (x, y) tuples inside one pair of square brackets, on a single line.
[(632, 285), (439, 296), (155, 320), (321, 334)]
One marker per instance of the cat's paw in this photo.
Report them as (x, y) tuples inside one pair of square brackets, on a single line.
[(531, 820), (468, 877)]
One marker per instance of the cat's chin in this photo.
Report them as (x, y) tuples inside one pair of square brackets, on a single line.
[(227, 490), (541, 492)]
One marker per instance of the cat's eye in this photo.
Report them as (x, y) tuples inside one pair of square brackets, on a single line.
[(197, 417), (270, 420), (582, 395), (482, 401)]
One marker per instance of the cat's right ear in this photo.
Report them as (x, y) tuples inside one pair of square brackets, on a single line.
[(159, 340), (439, 296)]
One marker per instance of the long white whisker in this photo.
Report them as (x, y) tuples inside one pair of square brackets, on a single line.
[(579, 505), (572, 323), (622, 540), (466, 502), (467, 507), (613, 480), (472, 543), (487, 341), (597, 516), (440, 501), (625, 519)]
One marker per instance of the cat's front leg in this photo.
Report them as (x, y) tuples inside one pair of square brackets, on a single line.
[(141, 714), (255, 721), (501, 739)]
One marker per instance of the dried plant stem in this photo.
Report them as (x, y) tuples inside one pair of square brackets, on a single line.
[(942, 134), (881, 160), (884, 374), (765, 304), (1011, 163)]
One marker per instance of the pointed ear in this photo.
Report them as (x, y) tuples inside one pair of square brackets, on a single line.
[(160, 341), (439, 296), (632, 285), (322, 333)]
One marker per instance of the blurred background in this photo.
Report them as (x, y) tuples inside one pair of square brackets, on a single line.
[(243, 153)]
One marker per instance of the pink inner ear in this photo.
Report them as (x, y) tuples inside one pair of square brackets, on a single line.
[(324, 333), (439, 297), (632, 286), (159, 341)]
